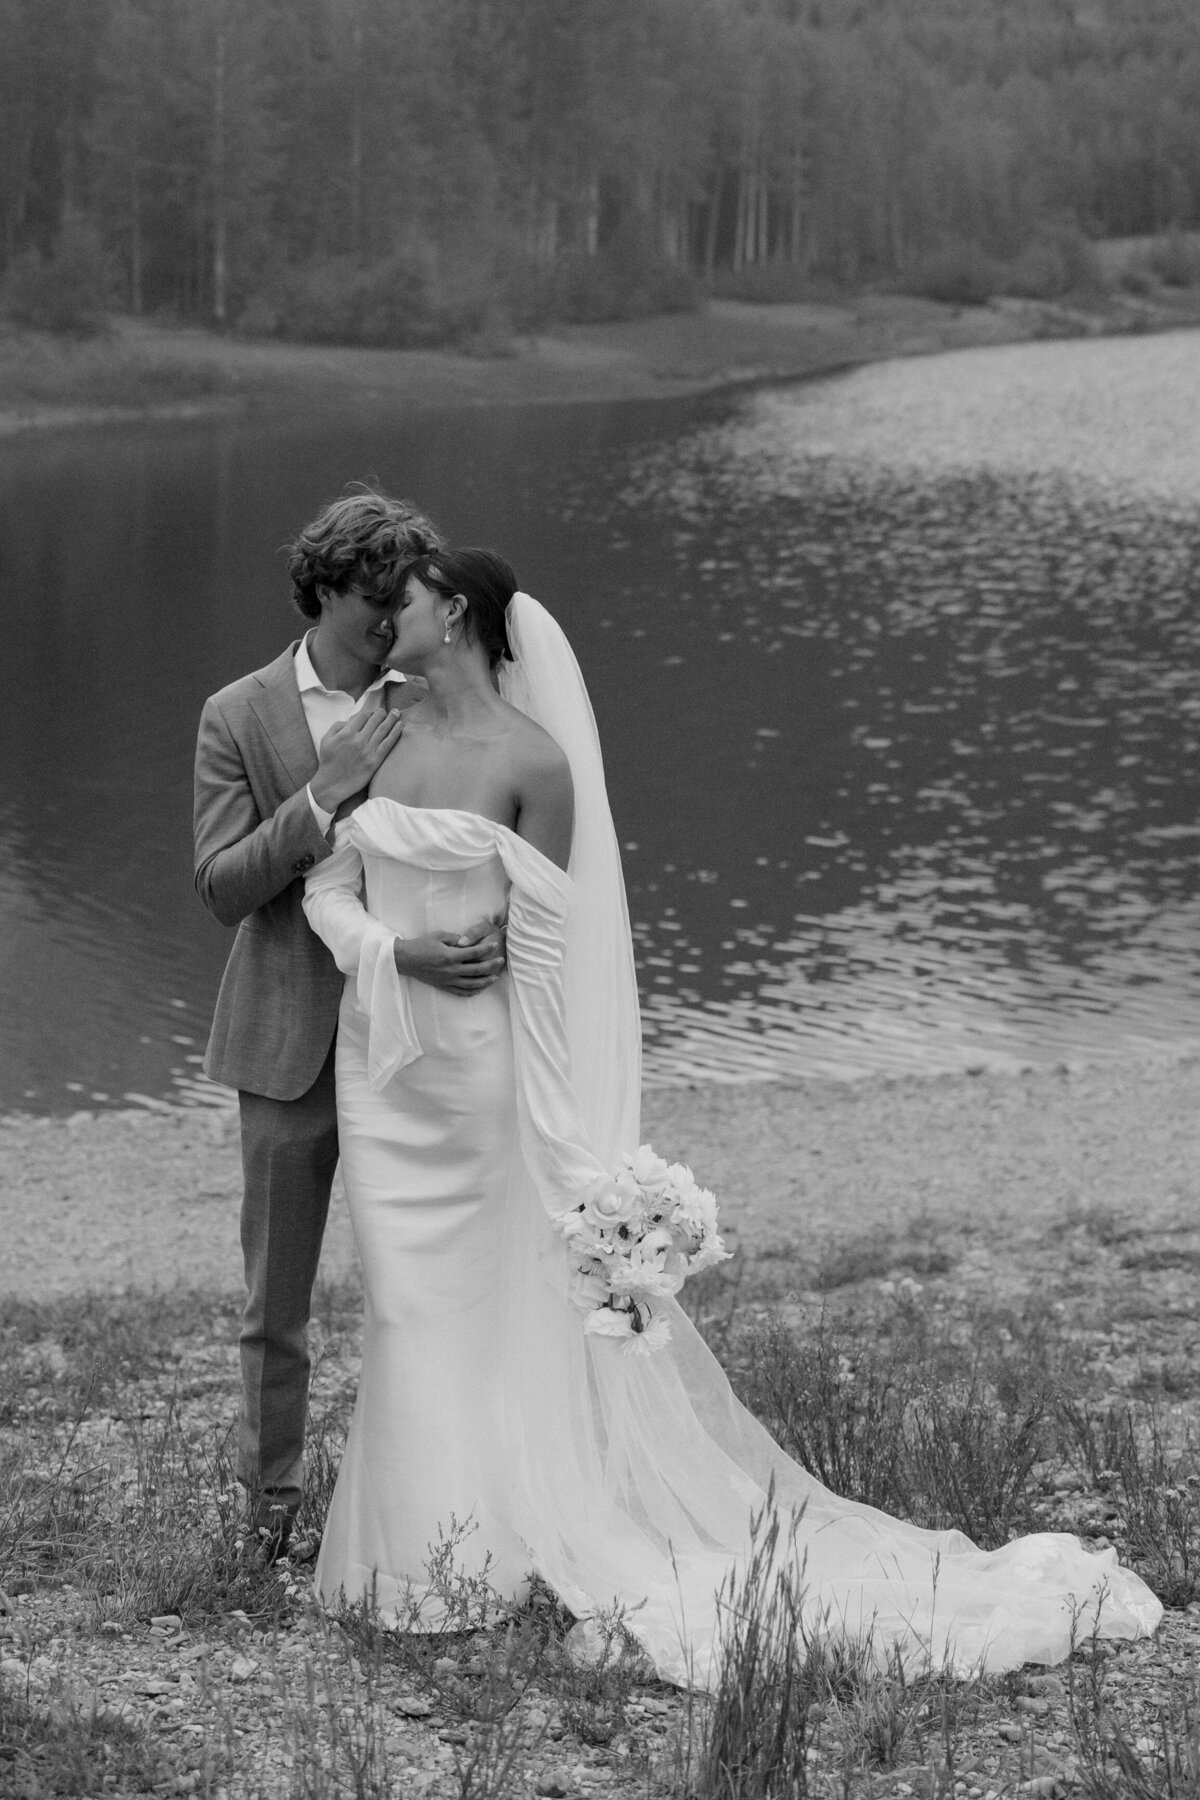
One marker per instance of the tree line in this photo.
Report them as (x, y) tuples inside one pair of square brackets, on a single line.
[(400, 170)]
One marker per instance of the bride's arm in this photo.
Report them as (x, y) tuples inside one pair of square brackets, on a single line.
[(458, 963), (365, 951), (546, 800), (333, 905)]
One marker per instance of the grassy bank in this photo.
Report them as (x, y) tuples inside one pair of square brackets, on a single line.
[(141, 1649), (138, 369)]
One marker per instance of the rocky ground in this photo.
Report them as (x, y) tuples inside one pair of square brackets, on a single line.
[(148, 1199), (142, 1657)]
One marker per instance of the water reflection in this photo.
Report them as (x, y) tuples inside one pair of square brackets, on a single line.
[(975, 723), (902, 749)]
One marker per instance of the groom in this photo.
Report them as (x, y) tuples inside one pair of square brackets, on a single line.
[(279, 754)]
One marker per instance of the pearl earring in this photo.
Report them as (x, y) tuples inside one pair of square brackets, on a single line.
[(446, 639)]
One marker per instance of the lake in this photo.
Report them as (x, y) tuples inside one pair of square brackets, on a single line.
[(897, 676)]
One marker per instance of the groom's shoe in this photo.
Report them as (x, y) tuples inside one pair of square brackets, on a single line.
[(270, 1531)]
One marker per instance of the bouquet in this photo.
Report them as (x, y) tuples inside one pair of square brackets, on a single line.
[(635, 1238)]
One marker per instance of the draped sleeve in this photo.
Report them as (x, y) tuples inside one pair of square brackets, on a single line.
[(364, 950)]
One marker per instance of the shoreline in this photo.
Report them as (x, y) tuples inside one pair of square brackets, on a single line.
[(805, 1171), (153, 1192), (140, 373)]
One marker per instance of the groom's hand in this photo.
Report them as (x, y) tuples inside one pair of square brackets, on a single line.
[(462, 963), (350, 753)]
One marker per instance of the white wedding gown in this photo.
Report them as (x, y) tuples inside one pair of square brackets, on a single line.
[(616, 1477)]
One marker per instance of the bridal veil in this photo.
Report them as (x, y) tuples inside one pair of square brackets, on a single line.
[(634, 1478)]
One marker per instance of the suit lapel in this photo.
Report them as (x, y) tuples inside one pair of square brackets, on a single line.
[(280, 711)]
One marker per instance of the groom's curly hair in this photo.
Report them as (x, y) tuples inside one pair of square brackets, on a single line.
[(365, 540)]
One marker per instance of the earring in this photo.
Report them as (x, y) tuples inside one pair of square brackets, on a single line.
[(446, 639)]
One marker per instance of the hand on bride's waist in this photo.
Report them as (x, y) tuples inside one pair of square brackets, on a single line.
[(464, 962)]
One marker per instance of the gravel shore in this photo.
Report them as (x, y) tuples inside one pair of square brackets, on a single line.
[(115, 1200)]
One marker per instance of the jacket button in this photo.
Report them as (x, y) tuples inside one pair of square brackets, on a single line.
[(303, 864)]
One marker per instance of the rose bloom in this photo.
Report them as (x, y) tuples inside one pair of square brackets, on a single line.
[(648, 1170), (612, 1202), (698, 1210)]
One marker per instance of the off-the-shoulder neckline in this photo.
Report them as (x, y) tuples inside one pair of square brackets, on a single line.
[(462, 812)]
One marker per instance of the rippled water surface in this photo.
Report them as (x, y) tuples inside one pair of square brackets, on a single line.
[(897, 677)]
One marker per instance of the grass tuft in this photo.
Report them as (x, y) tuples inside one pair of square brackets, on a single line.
[(118, 1506)]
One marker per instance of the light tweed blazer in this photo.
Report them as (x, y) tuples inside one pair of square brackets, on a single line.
[(256, 839)]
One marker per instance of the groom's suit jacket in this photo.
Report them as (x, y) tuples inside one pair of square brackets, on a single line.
[(256, 839)]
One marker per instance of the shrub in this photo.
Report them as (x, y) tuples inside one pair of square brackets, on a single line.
[(754, 1737), (959, 274), (66, 292), (769, 283), (1051, 265), (627, 278), (1175, 259), (842, 1419), (1154, 1486), (911, 1424), (396, 304)]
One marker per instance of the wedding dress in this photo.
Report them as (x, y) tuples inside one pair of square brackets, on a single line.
[(465, 1126)]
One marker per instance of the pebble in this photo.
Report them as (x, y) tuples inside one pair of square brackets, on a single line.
[(153, 1686), (412, 1706), (1052, 1686), (167, 1622), (553, 1784), (1023, 1704), (242, 1668)]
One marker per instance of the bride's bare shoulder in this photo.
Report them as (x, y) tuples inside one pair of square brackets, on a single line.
[(542, 790), (534, 752)]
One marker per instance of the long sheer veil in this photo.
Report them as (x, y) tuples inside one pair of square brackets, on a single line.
[(636, 1476), (603, 1023)]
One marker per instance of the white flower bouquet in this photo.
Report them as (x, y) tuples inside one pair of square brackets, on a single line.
[(635, 1238)]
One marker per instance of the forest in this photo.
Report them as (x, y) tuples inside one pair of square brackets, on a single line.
[(412, 171)]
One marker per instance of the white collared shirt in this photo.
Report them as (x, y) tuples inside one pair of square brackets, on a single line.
[(324, 707)]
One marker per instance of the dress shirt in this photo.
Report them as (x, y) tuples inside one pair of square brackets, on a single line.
[(324, 707)]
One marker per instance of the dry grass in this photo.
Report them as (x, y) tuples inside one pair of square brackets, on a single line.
[(156, 365), (142, 1650), (108, 370)]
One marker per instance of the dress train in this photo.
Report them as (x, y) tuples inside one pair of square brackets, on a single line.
[(621, 1479)]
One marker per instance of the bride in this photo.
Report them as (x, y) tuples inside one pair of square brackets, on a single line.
[(467, 1125)]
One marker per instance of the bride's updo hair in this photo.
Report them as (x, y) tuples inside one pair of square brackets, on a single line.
[(486, 583)]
